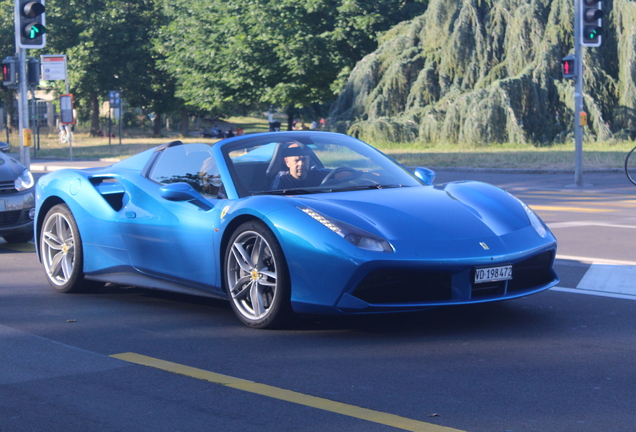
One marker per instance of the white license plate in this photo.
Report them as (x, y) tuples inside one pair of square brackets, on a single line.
[(2, 206), (493, 274)]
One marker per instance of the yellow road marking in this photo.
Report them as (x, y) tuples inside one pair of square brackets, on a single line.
[(286, 395), (571, 209)]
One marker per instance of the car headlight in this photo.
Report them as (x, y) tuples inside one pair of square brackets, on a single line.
[(24, 181), (534, 219), (355, 236)]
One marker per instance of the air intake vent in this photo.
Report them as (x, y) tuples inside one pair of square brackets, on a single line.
[(111, 190), (390, 286), (533, 272)]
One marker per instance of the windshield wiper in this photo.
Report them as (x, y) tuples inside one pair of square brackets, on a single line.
[(289, 192), (315, 191), (365, 187)]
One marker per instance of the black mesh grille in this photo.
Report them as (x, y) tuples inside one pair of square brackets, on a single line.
[(532, 272), (9, 218), (488, 289), (404, 286)]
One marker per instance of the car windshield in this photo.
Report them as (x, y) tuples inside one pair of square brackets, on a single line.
[(291, 163)]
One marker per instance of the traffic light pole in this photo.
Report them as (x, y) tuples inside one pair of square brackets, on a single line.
[(578, 97), (23, 107), (30, 33)]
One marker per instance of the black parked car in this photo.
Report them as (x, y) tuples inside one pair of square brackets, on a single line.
[(17, 199)]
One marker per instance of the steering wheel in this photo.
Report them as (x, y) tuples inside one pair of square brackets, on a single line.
[(332, 175)]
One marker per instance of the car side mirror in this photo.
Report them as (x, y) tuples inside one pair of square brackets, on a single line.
[(184, 192), (4, 147), (425, 175)]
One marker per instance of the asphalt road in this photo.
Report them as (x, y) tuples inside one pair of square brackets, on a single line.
[(561, 360)]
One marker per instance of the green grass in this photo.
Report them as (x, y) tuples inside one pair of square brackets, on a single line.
[(556, 158), (446, 155)]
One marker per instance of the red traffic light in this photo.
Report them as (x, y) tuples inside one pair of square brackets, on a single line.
[(6, 72), (9, 71), (568, 66)]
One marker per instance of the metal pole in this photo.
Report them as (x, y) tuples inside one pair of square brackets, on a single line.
[(578, 96), (110, 125), (67, 128), (23, 107), (33, 121), (21, 88), (70, 139), (120, 107)]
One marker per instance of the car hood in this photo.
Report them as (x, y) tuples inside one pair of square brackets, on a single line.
[(10, 169), (449, 212)]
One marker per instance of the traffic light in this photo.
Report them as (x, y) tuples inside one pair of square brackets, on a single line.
[(33, 72), (591, 23), (30, 24), (568, 66), (9, 71)]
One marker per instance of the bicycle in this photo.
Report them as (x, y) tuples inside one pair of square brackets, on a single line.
[(65, 135), (630, 165)]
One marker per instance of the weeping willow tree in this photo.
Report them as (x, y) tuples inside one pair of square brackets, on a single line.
[(488, 71)]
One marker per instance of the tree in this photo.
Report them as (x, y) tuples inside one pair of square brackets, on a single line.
[(486, 72), (228, 53), (110, 46)]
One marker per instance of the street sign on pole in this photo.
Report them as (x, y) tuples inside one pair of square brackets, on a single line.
[(66, 109), (53, 67), (114, 98)]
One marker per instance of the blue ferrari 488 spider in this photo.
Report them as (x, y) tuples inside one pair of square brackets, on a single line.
[(289, 222)]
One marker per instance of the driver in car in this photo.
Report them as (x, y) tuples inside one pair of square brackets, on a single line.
[(300, 174)]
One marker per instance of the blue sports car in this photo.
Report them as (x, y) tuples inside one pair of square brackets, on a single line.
[(289, 222)]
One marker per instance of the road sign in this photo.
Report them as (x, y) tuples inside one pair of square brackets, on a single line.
[(114, 98), (66, 109), (53, 67)]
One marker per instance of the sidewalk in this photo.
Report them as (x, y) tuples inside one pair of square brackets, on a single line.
[(45, 166), (49, 165), (606, 182)]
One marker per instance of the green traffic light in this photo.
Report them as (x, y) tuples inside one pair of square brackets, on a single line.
[(33, 31), (592, 33)]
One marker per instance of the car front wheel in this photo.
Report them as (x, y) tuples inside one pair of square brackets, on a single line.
[(256, 277), (61, 250)]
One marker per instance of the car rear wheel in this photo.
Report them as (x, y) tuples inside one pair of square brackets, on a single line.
[(61, 250), (256, 277)]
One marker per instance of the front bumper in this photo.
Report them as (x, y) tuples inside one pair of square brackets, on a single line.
[(16, 212)]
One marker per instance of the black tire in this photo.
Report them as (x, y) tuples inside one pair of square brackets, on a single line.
[(62, 253), (18, 238), (256, 277), (630, 165)]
